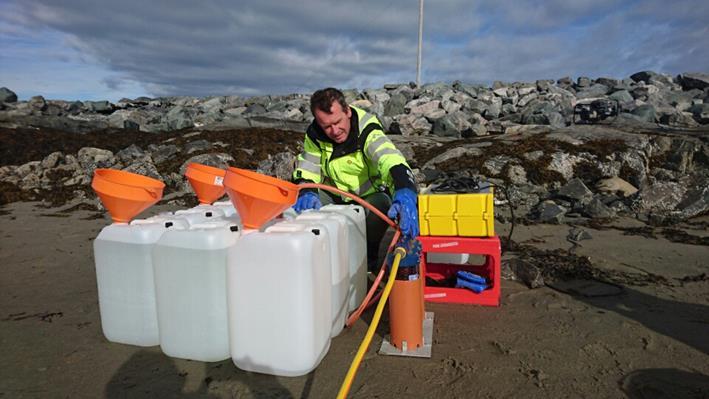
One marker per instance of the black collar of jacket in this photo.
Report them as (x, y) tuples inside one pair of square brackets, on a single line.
[(349, 146)]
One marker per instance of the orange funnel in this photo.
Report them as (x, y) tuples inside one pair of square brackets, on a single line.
[(206, 181), (125, 194), (258, 198)]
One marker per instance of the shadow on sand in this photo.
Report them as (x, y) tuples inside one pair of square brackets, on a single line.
[(685, 322), (665, 384), (151, 374)]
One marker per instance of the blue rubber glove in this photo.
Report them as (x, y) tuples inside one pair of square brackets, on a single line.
[(307, 200), (404, 208)]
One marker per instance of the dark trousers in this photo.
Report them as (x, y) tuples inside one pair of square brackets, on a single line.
[(376, 227)]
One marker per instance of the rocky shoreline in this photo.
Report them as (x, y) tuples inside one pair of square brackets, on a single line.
[(610, 226), (650, 162)]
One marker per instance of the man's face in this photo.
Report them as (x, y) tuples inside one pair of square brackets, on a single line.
[(336, 124)]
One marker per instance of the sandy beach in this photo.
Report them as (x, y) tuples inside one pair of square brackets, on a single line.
[(579, 339)]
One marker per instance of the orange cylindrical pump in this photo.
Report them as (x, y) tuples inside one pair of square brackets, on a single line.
[(406, 314)]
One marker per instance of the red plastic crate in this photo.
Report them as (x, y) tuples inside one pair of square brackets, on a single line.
[(487, 246)]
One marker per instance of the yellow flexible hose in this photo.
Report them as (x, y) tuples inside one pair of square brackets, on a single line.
[(349, 378)]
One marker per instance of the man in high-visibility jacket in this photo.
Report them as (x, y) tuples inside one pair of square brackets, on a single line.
[(346, 147)]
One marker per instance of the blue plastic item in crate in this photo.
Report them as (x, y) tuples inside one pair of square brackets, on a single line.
[(471, 281)]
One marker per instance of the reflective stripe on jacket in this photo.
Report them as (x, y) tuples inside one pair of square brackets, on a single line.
[(360, 165)]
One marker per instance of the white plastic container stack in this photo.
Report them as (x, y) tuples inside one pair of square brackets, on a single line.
[(190, 287), (336, 226), (124, 273), (279, 299), (357, 239)]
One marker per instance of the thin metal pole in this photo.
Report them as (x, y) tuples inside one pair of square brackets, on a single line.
[(418, 60)]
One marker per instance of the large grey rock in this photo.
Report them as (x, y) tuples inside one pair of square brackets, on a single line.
[(377, 95), (37, 103), (164, 152), (52, 160), (410, 125), (395, 105), (256, 109), (517, 175), (526, 99), (262, 121), (213, 104), (422, 106), (550, 212), (100, 107), (642, 91), (178, 118), (583, 81), (643, 76), (28, 168), (565, 82), (679, 119), (7, 95), (450, 106), (608, 82), (680, 100), (121, 119), (681, 156), (91, 158), (696, 199), (495, 164), (129, 154), (197, 145), (542, 113), (597, 209), (577, 234), (451, 125), (700, 112), (564, 164), (452, 154), (526, 272), (645, 113), (218, 160), (635, 162), (693, 81), (280, 165), (493, 110), (576, 190), (144, 166), (660, 197), (594, 91), (622, 96)]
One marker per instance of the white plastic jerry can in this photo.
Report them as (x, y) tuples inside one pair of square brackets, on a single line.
[(124, 274), (190, 287), (200, 214), (228, 208), (336, 226), (279, 299), (357, 239), (225, 210)]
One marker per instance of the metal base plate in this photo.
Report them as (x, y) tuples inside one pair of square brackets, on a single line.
[(424, 351)]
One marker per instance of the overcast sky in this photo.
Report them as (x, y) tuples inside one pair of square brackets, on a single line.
[(91, 49)]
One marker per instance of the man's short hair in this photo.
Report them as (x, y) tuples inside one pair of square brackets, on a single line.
[(324, 98)]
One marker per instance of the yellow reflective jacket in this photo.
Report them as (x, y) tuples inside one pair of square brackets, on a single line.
[(361, 165)]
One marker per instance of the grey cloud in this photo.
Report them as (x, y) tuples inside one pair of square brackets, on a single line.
[(264, 47), (203, 48)]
